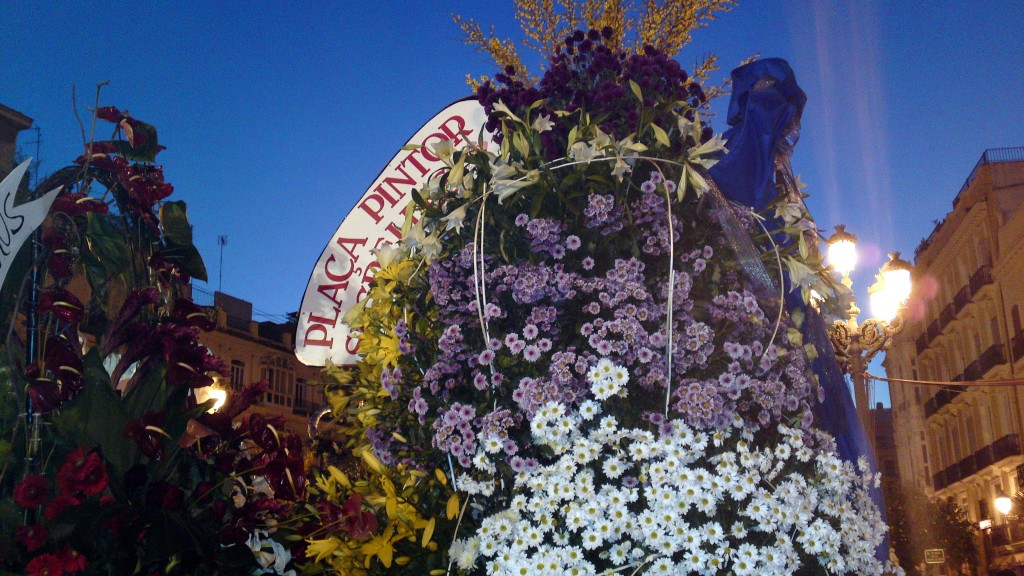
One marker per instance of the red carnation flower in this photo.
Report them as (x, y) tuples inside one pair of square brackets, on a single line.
[(32, 491), (82, 473), (44, 565), (32, 537), (71, 560), (59, 505)]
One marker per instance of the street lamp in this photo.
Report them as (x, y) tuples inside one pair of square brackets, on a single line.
[(856, 344), (1003, 502)]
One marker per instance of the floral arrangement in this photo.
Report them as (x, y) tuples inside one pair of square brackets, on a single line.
[(125, 471), (567, 367)]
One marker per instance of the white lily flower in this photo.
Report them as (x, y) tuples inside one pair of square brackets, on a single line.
[(502, 108), (699, 155), (583, 152), (622, 167), (387, 253), (602, 140), (790, 212), (455, 218), (443, 149), (505, 188), (542, 124)]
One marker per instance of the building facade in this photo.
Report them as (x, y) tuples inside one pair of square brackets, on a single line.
[(11, 123), (884, 444), (955, 436), (262, 351)]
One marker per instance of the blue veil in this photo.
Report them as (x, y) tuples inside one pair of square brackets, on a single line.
[(764, 119)]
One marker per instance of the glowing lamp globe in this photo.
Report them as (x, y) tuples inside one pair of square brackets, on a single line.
[(884, 305), (1003, 503), (842, 250), (219, 396), (896, 276)]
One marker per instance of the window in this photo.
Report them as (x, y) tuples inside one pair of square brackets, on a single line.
[(889, 469), (1015, 318), (280, 381), (972, 435), (994, 326), (237, 374)]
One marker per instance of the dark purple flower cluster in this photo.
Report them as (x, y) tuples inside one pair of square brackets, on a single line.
[(587, 74)]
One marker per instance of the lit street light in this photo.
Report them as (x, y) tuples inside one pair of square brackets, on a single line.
[(856, 344), (1003, 502)]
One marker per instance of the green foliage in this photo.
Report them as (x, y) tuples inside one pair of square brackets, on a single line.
[(919, 523), (178, 247)]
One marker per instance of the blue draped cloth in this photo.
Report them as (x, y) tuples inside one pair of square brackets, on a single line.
[(764, 116)]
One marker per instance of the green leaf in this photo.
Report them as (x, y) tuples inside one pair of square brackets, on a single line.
[(521, 144), (187, 258), (174, 222), (146, 139), (661, 135), (636, 90), (97, 419), (143, 396), (178, 247), (106, 241)]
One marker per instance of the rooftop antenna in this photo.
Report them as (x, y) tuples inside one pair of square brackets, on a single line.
[(222, 241)]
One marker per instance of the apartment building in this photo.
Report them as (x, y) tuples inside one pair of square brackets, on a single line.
[(956, 437), (261, 351)]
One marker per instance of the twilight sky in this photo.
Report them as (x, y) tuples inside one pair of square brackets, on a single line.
[(278, 115)]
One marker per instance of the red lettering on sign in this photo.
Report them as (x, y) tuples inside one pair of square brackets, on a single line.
[(349, 246), (325, 320), (411, 158), (352, 344), (322, 341), (456, 133), (336, 276)]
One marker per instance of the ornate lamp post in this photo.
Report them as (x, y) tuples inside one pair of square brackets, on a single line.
[(856, 344)]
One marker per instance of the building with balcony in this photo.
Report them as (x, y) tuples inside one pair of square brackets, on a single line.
[(261, 351), (963, 325)]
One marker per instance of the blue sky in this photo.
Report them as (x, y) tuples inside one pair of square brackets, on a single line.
[(277, 116)]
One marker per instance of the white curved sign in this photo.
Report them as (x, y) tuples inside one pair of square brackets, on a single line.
[(343, 272)]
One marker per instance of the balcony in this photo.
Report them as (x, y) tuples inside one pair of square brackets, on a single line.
[(947, 316), (1007, 534), (994, 356), (981, 278), (994, 453), (921, 343), (943, 397), (962, 298), (1017, 346), (304, 407)]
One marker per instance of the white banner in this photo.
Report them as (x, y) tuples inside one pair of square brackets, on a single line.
[(18, 222), (343, 272)]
